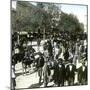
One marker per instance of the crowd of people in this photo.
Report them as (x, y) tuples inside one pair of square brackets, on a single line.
[(63, 60)]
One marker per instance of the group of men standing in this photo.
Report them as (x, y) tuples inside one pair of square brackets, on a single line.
[(69, 66), (58, 63), (63, 74)]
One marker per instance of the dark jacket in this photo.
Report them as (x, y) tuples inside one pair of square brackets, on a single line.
[(66, 55), (82, 75), (61, 72), (70, 73), (40, 62)]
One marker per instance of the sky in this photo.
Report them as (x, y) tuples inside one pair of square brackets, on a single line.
[(78, 10)]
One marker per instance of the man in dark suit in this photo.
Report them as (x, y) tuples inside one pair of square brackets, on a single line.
[(66, 54), (55, 75), (70, 73), (82, 74), (40, 64), (61, 73)]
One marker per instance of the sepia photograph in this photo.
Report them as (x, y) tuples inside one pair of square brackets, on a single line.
[(49, 45)]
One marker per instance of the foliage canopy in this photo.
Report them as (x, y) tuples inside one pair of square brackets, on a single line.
[(29, 17)]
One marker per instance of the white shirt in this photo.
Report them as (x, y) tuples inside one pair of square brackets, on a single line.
[(83, 68), (59, 66), (70, 67), (13, 73), (16, 50)]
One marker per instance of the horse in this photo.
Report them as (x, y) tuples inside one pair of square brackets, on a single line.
[(18, 57), (18, 53), (27, 62)]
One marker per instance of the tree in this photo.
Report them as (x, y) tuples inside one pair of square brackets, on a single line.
[(70, 23), (47, 16), (13, 19)]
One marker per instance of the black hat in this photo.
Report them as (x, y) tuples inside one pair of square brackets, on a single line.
[(60, 60), (71, 60)]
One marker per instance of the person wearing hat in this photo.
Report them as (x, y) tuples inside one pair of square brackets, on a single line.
[(82, 74), (55, 78), (46, 73), (13, 77), (61, 72), (40, 63), (70, 72)]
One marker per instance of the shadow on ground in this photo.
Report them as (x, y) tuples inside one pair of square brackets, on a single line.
[(37, 85), (27, 73)]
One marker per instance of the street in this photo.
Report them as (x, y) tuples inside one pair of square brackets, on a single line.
[(28, 80)]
